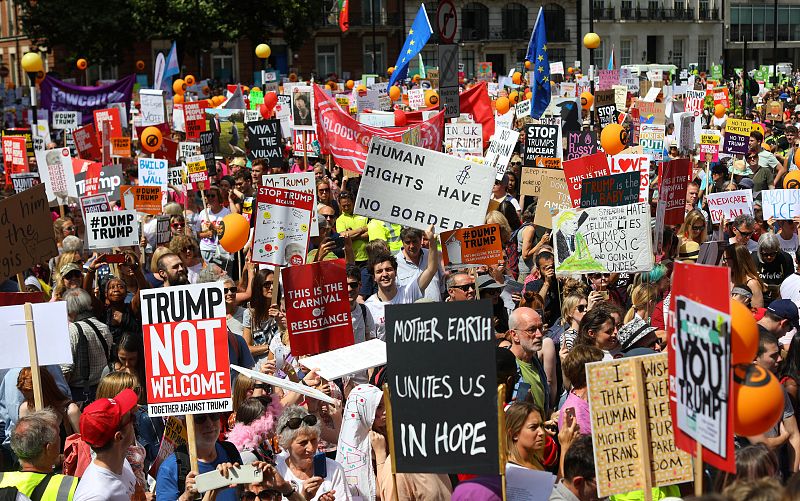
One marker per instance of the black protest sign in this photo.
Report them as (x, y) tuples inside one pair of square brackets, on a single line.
[(541, 141), (605, 106), (207, 150), (264, 141), (27, 231), (444, 411), (163, 233), (611, 191), (24, 180), (109, 182)]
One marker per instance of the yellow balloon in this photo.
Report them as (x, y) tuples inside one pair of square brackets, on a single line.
[(263, 51), (591, 40)]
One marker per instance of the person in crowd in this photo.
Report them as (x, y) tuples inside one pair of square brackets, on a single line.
[(355, 227), (189, 251), (743, 228), (62, 228), (528, 248), (298, 434), (363, 323), (578, 482), (107, 426), (743, 271), (69, 277), (599, 328), (574, 367), (67, 411), (525, 435), (460, 287), (325, 195), (412, 260), (692, 235), (753, 462), (573, 308), (35, 442), (525, 331), (547, 286), (171, 270), (773, 266), (261, 321), (254, 429), (500, 193)]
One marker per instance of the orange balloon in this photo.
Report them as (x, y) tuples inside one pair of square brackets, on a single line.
[(502, 104), (179, 86), (395, 93), (719, 111), (255, 89), (189, 79), (527, 65), (82, 64), (791, 181), (151, 139), (516, 78), (390, 70), (415, 79), (587, 100), (570, 70), (361, 88), (244, 88), (139, 65), (235, 230), (528, 94), (744, 334), (178, 99), (613, 138), (333, 85), (757, 400), (431, 98), (513, 97), (292, 77), (350, 84), (210, 102)]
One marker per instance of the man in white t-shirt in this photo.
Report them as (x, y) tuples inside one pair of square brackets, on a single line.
[(107, 426), (412, 259), (384, 269), (787, 237)]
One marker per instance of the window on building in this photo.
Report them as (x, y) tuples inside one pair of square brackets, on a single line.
[(327, 58), (101, 72), (555, 21), (702, 54), (430, 57), (474, 22), (625, 51), (705, 9), (368, 7), (679, 5), (515, 21), (11, 18), (467, 58), (677, 52), (626, 8), (598, 58), (14, 69), (378, 52), (555, 55), (223, 63)]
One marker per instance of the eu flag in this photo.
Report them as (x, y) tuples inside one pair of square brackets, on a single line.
[(418, 36), (540, 67)]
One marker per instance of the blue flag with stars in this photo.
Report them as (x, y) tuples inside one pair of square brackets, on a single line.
[(418, 36), (540, 67)]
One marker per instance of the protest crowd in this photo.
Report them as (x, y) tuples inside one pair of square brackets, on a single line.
[(546, 285)]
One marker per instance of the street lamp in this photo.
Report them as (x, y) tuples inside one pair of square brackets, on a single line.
[(263, 51), (32, 64), (591, 41)]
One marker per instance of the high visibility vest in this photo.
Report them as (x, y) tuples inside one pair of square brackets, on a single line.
[(60, 487)]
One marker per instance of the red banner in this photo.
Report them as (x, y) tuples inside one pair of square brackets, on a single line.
[(673, 190), (575, 171), (194, 119), (317, 307), (348, 140)]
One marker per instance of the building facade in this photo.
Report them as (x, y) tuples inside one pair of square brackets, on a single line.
[(755, 22)]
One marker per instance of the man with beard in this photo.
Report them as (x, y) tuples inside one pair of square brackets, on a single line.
[(172, 270), (525, 328)]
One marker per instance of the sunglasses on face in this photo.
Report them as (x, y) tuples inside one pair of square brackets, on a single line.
[(178, 226), (465, 287), (295, 423), (73, 275), (597, 276), (267, 285), (69, 229), (201, 418), (230, 290), (328, 216), (324, 190), (581, 308), (769, 254), (188, 249), (352, 285), (744, 233)]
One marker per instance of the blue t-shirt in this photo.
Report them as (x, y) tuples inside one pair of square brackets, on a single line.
[(167, 480), (240, 355)]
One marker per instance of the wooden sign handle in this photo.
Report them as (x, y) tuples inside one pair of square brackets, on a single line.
[(387, 405), (33, 356), (698, 470), (501, 431), (192, 445)]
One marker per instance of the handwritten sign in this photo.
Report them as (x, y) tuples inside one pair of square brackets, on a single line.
[(264, 141), (729, 204), (631, 162), (282, 224), (554, 197), (501, 147), (581, 144), (28, 238), (780, 204)]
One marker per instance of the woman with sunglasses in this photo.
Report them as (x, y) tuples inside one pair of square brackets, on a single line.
[(188, 250), (177, 225), (743, 271), (233, 312), (773, 265), (693, 234), (298, 435), (262, 320), (210, 219), (573, 308), (63, 227)]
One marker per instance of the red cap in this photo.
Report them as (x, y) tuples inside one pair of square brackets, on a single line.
[(102, 418)]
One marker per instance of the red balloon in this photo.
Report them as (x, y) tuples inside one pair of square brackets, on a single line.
[(270, 100), (400, 118), (265, 111)]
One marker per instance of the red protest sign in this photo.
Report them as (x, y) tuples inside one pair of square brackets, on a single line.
[(575, 171), (93, 170), (707, 286), (86, 142), (673, 190), (186, 350), (194, 119), (15, 156), (318, 307), (108, 116)]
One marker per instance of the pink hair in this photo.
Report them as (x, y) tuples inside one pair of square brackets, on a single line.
[(249, 436)]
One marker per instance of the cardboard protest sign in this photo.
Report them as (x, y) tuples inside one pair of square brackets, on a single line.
[(55, 170), (629, 402), (541, 141), (299, 181), (94, 203), (106, 182), (105, 230), (553, 198), (52, 335), (581, 144), (121, 147), (775, 111), (630, 162), (729, 204), (429, 343), (152, 108), (186, 350), (15, 156), (110, 119), (603, 239), (651, 139), (66, 120), (317, 307), (575, 171), (699, 362), (780, 204), (282, 224), (24, 181), (652, 113), (264, 141), (153, 171), (463, 139), (532, 181), (672, 193), (737, 136), (417, 187), (141, 198), (28, 231), (613, 190), (501, 147), (709, 145), (476, 246)]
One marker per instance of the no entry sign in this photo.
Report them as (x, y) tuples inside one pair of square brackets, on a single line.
[(186, 350)]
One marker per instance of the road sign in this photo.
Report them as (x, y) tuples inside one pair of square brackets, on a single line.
[(448, 65), (446, 20)]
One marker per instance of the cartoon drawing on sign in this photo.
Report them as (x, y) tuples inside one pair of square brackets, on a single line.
[(573, 251)]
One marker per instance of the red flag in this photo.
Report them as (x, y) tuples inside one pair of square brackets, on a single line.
[(344, 15)]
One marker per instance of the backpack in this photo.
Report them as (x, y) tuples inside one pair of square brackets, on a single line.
[(512, 251), (185, 465), (77, 455), (8, 494)]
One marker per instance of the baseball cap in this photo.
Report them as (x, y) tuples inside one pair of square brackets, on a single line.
[(69, 267), (102, 418), (239, 162), (785, 309)]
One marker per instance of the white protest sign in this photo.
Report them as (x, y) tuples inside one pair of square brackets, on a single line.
[(186, 349), (153, 172), (623, 162), (780, 204), (501, 147), (187, 149), (95, 203), (105, 230), (729, 204), (463, 139), (416, 98), (523, 109), (348, 360), (417, 187), (652, 94), (153, 111), (282, 224), (557, 68), (66, 120), (55, 171), (285, 384), (300, 181), (504, 121), (377, 119), (52, 335), (603, 239)]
